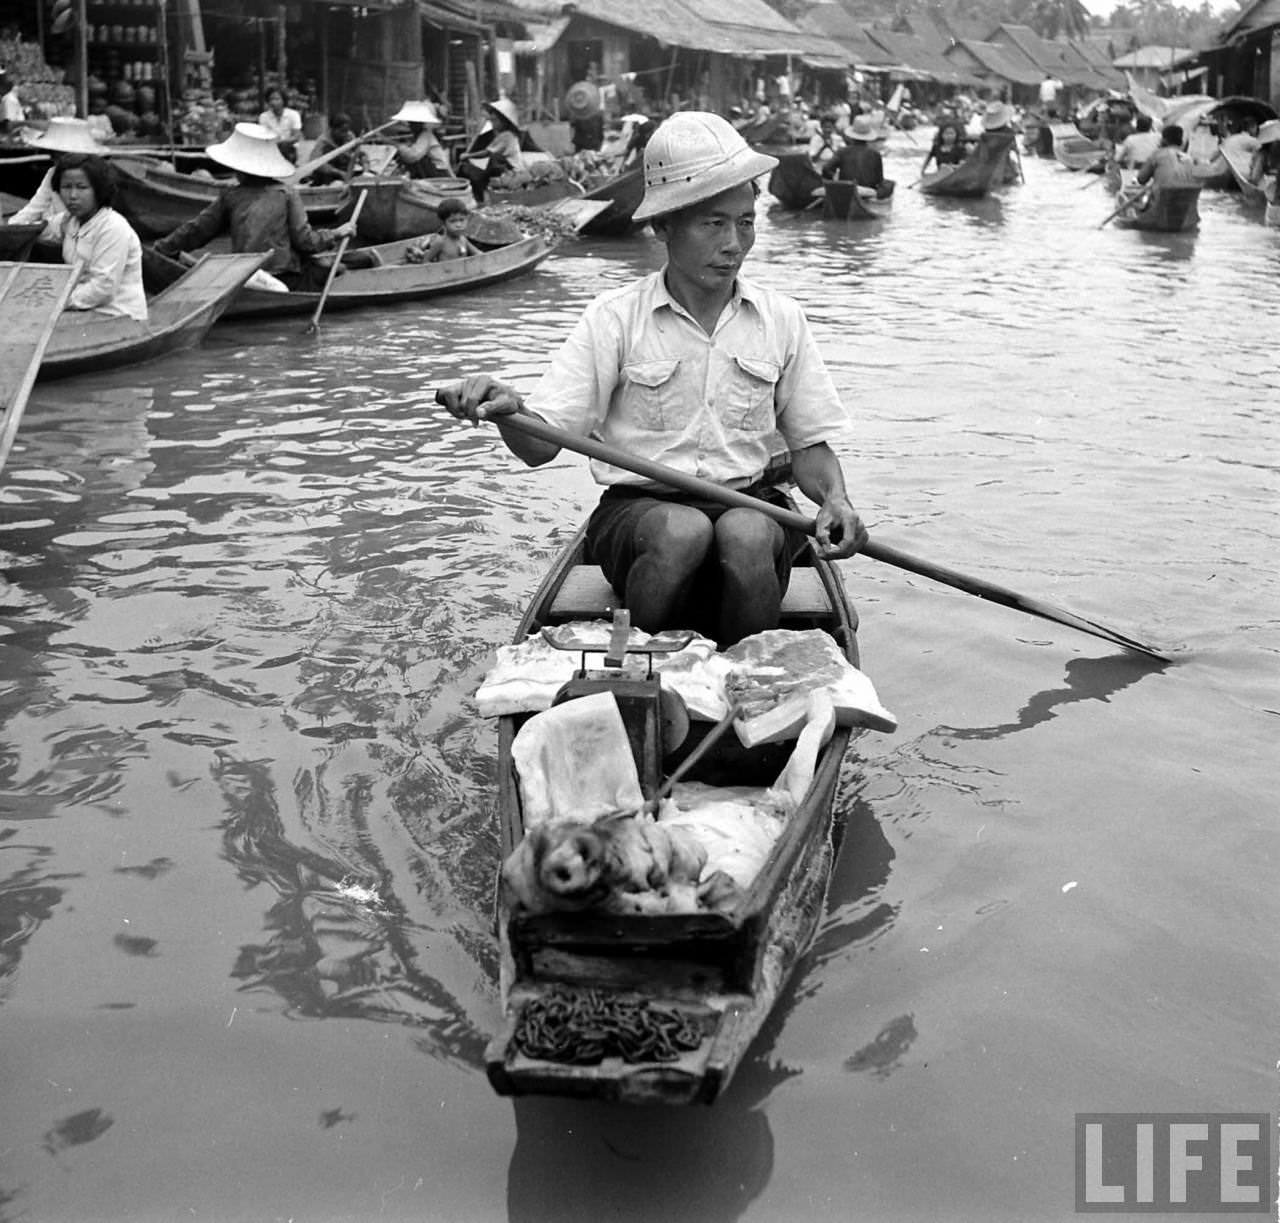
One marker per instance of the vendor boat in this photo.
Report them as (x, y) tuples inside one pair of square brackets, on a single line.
[(662, 1008), (793, 181), (16, 241), (622, 194), (975, 176)]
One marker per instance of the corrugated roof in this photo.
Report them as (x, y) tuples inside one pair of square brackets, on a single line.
[(995, 61), (929, 62)]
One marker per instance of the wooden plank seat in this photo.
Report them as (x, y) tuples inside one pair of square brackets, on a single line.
[(586, 595)]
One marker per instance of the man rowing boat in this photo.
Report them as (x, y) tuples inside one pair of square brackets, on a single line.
[(699, 369)]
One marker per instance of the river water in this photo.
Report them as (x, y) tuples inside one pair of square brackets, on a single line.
[(247, 842)]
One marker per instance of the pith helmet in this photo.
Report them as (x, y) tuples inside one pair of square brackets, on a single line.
[(693, 156)]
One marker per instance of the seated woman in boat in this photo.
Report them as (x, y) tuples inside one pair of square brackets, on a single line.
[(1137, 147), (697, 368), (342, 166), (948, 147), (1169, 166), (63, 138), (261, 213), (860, 161), (501, 153), (96, 235), (424, 156), (826, 143)]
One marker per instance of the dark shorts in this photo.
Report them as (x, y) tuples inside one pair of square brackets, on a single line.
[(611, 537)]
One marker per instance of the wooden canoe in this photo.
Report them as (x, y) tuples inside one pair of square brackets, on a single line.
[(156, 199), (846, 201), (1074, 150), (16, 241), (623, 193), (720, 974), (793, 180), (394, 281), (32, 296), (1239, 161), (178, 318), (1169, 210), (975, 176)]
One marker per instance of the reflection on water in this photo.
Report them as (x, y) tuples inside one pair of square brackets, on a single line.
[(256, 585)]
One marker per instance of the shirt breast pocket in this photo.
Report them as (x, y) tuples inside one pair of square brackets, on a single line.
[(749, 393), (652, 394)]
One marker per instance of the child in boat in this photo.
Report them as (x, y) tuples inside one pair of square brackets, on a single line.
[(95, 234), (449, 243), (261, 213)]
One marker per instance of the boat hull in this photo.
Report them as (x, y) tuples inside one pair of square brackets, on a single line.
[(1170, 210), (1075, 151), (845, 201), (793, 181), (722, 974), (178, 318), (623, 193)]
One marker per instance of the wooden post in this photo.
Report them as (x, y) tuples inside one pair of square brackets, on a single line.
[(82, 53), (325, 17), (262, 63), (282, 57)]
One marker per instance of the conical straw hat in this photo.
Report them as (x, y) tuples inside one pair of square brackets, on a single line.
[(252, 149)]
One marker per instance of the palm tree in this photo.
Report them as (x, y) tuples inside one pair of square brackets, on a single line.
[(1049, 18)]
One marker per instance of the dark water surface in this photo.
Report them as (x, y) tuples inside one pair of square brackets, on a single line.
[(247, 843)]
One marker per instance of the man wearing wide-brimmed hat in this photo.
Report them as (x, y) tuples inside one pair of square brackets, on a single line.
[(695, 367), (586, 117), (63, 137), (424, 156), (260, 212)]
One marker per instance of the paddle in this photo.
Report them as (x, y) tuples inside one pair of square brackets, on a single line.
[(1129, 203), (534, 426), (314, 325), (310, 167)]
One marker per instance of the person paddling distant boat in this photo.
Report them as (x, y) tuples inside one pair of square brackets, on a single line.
[(261, 213), (697, 368)]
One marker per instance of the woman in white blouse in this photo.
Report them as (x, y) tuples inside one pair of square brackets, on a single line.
[(95, 235)]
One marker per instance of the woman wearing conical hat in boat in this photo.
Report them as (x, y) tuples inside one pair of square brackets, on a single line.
[(695, 367), (93, 234), (424, 156), (501, 153), (261, 213), (63, 138), (1264, 168)]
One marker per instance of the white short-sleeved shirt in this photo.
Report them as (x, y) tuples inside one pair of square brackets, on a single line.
[(638, 372), (286, 128)]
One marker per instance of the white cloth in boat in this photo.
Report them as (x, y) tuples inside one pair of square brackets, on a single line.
[(774, 672), (640, 373), (574, 762)]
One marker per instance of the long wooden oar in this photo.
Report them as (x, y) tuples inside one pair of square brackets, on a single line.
[(536, 427), (314, 325), (1129, 203)]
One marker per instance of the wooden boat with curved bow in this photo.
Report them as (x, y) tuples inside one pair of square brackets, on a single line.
[(662, 1007), (977, 174)]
